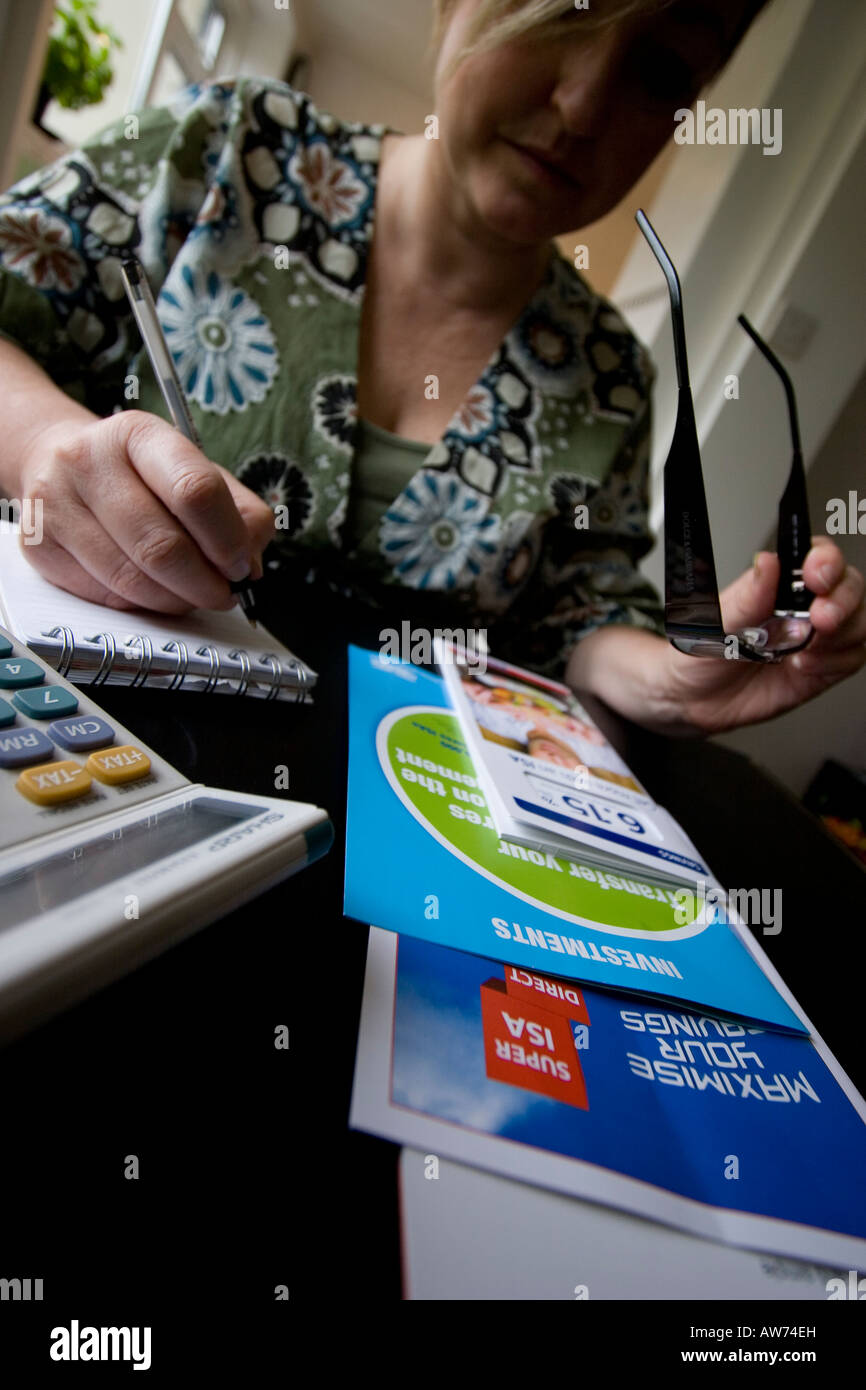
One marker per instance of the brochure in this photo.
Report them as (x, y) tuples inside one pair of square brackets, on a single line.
[(749, 1137), (423, 857), (551, 779)]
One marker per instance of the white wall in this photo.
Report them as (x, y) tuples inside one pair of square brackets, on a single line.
[(368, 59), (783, 229), (22, 43), (336, 85), (259, 39), (698, 176), (747, 444)]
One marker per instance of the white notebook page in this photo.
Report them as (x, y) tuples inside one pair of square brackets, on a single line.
[(33, 607)]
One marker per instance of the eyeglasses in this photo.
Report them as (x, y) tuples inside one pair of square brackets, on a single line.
[(693, 615)]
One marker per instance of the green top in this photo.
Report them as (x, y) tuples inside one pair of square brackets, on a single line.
[(384, 464), (252, 213)]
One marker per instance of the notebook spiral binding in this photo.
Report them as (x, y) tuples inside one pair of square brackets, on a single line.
[(213, 657), (180, 651), (240, 655), (141, 675), (109, 653), (67, 651)]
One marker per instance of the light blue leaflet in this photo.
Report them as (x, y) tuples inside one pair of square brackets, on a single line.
[(423, 859)]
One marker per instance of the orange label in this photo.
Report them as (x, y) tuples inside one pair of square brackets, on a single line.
[(526, 1045), (557, 996)]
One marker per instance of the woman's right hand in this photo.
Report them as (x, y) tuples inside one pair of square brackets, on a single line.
[(135, 516)]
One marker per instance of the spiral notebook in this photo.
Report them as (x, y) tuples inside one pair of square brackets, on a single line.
[(93, 645)]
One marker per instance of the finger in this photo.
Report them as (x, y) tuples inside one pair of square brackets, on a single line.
[(193, 490), (850, 634), (750, 599), (98, 570), (824, 565), (830, 666), (832, 612), (142, 538)]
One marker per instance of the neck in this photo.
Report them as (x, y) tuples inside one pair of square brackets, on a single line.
[(435, 238)]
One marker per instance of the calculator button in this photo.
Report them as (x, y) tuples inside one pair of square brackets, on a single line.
[(18, 671), (21, 747), (7, 714), (5, 646), (81, 734), (47, 702), (53, 783), (115, 765)]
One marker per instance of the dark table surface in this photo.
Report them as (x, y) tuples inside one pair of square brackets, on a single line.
[(249, 1176)]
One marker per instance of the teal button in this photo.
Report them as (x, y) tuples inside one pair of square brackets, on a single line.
[(46, 703), (5, 646), (7, 714), (18, 671)]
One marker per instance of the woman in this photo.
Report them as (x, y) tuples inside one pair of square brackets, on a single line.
[(312, 272)]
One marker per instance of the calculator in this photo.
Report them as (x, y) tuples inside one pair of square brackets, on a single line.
[(108, 855)]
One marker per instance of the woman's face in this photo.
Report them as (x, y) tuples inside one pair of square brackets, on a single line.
[(550, 752), (598, 104)]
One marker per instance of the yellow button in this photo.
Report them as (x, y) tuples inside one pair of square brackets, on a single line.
[(50, 783), (114, 765)]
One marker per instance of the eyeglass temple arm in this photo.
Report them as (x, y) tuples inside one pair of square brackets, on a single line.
[(691, 588), (767, 351), (794, 529), (676, 296)]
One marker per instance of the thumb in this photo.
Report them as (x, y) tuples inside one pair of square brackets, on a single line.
[(750, 599)]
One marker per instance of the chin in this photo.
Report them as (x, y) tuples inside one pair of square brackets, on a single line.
[(514, 215), (520, 215)]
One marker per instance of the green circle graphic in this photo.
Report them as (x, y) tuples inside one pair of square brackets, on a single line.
[(420, 751)]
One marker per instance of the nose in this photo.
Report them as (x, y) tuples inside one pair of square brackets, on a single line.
[(589, 76)]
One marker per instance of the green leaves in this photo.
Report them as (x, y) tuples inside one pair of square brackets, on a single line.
[(78, 62)]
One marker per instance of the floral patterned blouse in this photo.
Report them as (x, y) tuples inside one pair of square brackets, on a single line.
[(252, 213)]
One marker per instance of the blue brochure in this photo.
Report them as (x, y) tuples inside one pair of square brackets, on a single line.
[(716, 1126), (423, 859)]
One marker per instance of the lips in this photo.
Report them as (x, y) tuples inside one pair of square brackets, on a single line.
[(542, 165)]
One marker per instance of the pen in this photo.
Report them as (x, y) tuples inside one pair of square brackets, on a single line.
[(142, 305)]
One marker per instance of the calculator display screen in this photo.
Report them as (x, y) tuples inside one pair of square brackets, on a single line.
[(104, 859)]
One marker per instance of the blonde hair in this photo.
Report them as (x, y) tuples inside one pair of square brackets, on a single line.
[(501, 21)]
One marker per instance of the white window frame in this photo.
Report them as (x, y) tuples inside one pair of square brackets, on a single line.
[(168, 34)]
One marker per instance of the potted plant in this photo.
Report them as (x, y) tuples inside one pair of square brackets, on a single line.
[(78, 62)]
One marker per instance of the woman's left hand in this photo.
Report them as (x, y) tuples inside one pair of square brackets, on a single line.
[(716, 695)]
